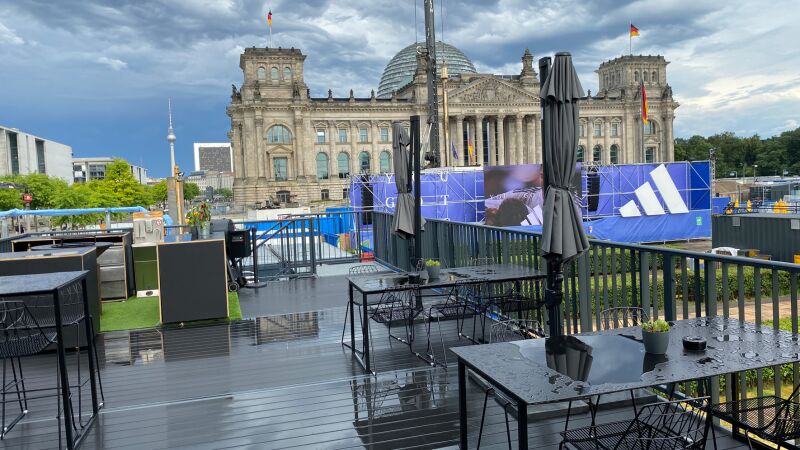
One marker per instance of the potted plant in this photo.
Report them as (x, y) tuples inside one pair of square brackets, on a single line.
[(655, 336), (433, 267), (199, 218)]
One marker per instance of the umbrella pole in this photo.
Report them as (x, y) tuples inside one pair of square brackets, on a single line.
[(415, 149), (554, 295)]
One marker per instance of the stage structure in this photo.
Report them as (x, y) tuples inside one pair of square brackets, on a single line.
[(630, 190), (447, 193)]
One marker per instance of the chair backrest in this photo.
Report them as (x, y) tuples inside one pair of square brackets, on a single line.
[(364, 268), (671, 425), (19, 326), (513, 330), (623, 316)]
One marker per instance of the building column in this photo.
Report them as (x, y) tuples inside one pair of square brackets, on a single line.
[(375, 144), (501, 148), (669, 145), (519, 136), (479, 152), (259, 146), (530, 127), (606, 156), (588, 154), (491, 144), (537, 139), (459, 140)]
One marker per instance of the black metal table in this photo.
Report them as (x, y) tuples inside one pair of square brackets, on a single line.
[(568, 368), (52, 284), (379, 283)]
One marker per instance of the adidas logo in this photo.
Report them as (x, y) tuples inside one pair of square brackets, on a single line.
[(649, 201)]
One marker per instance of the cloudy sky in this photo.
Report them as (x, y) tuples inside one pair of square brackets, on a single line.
[(97, 74)]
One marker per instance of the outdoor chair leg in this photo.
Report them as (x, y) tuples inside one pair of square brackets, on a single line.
[(483, 415), (97, 365), (441, 339)]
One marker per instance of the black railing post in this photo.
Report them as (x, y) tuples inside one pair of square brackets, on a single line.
[(253, 244), (669, 290), (313, 251)]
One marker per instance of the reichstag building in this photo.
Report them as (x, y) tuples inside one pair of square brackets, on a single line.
[(295, 148)]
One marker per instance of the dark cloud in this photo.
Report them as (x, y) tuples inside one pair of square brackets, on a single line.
[(96, 74)]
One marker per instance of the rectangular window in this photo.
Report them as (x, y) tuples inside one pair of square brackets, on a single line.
[(281, 167), (97, 171), (614, 129), (342, 135), (384, 134), (325, 194), (598, 130), (345, 193), (320, 136), (649, 154), (363, 135), (13, 150), (40, 156)]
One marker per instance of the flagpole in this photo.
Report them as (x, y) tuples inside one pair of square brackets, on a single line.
[(630, 38)]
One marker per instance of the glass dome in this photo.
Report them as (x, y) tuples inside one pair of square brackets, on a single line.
[(401, 68)]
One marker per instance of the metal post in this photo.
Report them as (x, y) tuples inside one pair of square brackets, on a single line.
[(433, 101), (415, 148), (253, 244)]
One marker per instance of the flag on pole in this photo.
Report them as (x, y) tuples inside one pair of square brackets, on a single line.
[(644, 103), (470, 149), (269, 18), (634, 30), (453, 149)]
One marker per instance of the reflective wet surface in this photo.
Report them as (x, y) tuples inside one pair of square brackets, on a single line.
[(280, 381)]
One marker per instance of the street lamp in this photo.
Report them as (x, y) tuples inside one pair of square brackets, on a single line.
[(733, 174), (755, 169)]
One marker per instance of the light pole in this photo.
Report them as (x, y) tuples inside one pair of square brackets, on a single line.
[(755, 171)]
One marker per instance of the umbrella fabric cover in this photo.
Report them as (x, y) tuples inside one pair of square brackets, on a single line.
[(403, 224), (562, 233)]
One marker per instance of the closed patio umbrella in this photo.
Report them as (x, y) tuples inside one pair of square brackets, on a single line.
[(562, 235), (403, 223)]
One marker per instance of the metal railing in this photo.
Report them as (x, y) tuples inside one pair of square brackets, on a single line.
[(293, 246), (667, 283)]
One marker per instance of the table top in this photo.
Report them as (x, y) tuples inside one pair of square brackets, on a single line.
[(37, 283), (574, 367), (494, 273)]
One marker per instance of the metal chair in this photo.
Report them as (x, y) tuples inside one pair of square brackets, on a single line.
[(20, 336), (671, 425), (514, 330), (357, 270), (770, 417), (399, 305), (622, 316), (454, 307)]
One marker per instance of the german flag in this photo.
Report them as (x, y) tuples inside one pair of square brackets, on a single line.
[(634, 30), (269, 18), (644, 103)]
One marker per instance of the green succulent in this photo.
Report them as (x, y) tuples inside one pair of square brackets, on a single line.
[(432, 263), (656, 326)]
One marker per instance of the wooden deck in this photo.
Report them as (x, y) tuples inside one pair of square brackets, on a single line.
[(277, 381)]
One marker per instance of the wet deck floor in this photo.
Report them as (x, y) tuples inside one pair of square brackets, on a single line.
[(277, 381)]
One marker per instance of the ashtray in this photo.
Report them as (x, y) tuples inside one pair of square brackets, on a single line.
[(694, 343)]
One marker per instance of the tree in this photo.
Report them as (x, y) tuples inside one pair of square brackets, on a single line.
[(75, 197), (158, 192), (120, 187), (190, 190), (224, 193), (10, 199)]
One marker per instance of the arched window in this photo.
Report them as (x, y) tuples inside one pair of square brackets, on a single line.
[(644, 76), (287, 74), (636, 76), (580, 153), (262, 73), (274, 74), (278, 134), (655, 77), (363, 161), (596, 152), (343, 161), (650, 128), (614, 156), (386, 162), (322, 166)]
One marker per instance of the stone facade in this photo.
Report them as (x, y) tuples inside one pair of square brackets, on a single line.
[(295, 148)]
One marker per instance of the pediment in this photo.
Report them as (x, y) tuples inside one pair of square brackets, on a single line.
[(490, 90), (279, 149)]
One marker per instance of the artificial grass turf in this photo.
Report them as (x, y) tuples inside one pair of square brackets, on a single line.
[(136, 313)]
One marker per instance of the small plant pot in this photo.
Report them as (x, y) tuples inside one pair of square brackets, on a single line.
[(433, 272), (655, 343)]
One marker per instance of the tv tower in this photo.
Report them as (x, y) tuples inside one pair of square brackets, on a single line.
[(174, 179)]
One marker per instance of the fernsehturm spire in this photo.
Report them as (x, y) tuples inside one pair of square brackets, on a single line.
[(171, 138)]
